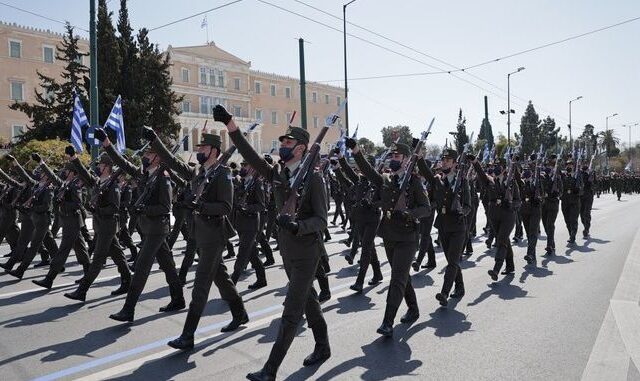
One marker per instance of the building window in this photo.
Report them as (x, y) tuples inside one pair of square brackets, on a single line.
[(326, 99), (338, 101), (287, 92), (314, 97), (315, 122), (288, 117), (186, 106), (212, 77), (16, 91), (236, 83), (185, 144), (274, 145), (220, 78), (258, 87), (16, 132), (274, 117), (15, 49), (259, 115), (47, 54), (237, 111), (185, 75), (205, 105), (203, 75), (273, 90)]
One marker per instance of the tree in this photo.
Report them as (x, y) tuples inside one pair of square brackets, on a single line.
[(390, 134), (608, 141), (160, 102), (501, 145), (530, 130), (367, 146), (51, 114), (589, 138), (460, 137), (548, 134), (108, 62), (479, 145), (432, 151), (486, 133)]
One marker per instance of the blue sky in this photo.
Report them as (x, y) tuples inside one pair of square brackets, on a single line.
[(604, 68)]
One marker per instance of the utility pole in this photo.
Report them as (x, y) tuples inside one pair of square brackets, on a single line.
[(93, 91), (346, 88), (570, 136), (303, 87), (509, 105)]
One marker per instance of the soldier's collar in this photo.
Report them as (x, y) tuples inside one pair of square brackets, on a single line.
[(292, 166)]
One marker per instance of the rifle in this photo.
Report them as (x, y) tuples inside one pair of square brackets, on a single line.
[(556, 169), (153, 180), (509, 191), (457, 185), (222, 160), (307, 164), (401, 203), (536, 173), (578, 163), (63, 189), (384, 156)]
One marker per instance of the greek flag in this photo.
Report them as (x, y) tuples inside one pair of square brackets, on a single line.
[(116, 123), (79, 120), (340, 142)]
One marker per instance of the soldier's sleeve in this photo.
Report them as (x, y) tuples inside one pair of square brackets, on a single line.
[(482, 176), (368, 170), (163, 207), (8, 179), (127, 166), (50, 174), (466, 198), (181, 168), (342, 179), (259, 205), (424, 170), (421, 207), (251, 156), (46, 202), (85, 176), (24, 175), (318, 199), (348, 171), (224, 187)]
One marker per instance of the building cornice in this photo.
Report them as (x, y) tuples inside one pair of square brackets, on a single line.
[(34, 30)]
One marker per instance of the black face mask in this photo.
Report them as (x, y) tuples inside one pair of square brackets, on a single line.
[(395, 165), (145, 163), (202, 158), (286, 153), (243, 172), (446, 171), (569, 169)]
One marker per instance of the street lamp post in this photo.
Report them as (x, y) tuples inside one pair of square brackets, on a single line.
[(606, 131), (346, 89), (509, 104), (629, 127), (570, 136)]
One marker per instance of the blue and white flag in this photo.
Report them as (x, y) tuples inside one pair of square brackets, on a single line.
[(355, 133), (79, 120), (116, 123), (486, 153), (340, 143)]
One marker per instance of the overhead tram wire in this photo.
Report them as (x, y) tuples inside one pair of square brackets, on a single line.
[(40, 15), (465, 69), (195, 15)]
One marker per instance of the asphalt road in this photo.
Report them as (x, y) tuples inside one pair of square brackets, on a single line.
[(541, 324)]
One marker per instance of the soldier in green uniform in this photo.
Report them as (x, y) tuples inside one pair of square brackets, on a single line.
[(399, 228), (572, 185)]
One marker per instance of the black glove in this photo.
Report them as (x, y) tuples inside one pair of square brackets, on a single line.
[(350, 143), (533, 157), (149, 134), (414, 143), (35, 157), (220, 114), (471, 157), (400, 215), (100, 134), (69, 150), (10, 158), (285, 221), (336, 150)]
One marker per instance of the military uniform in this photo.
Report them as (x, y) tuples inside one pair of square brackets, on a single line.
[(572, 186), (586, 200), (531, 209), (105, 225), (9, 229), (399, 231), (211, 230)]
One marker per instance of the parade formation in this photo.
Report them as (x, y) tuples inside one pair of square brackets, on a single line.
[(401, 196)]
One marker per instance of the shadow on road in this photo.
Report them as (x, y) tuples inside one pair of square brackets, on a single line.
[(503, 289)]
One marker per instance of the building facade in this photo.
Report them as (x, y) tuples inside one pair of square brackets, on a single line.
[(24, 51), (204, 75)]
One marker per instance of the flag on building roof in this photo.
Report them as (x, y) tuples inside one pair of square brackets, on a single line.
[(116, 123), (79, 120)]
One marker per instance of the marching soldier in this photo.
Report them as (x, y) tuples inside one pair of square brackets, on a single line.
[(299, 238), (531, 209), (247, 220), (69, 202), (504, 200), (572, 185), (454, 205), (153, 208), (399, 229), (213, 193), (586, 200), (8, 226), (552, 189), (106, 204)]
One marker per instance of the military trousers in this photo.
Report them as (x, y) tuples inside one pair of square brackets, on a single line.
[(247, 252), (550, 208), (531, 219), (369, 255), (586, 204), (503, 221), (71, 239), (41, 223), (571, 212), (452, 244), (400, 255)]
